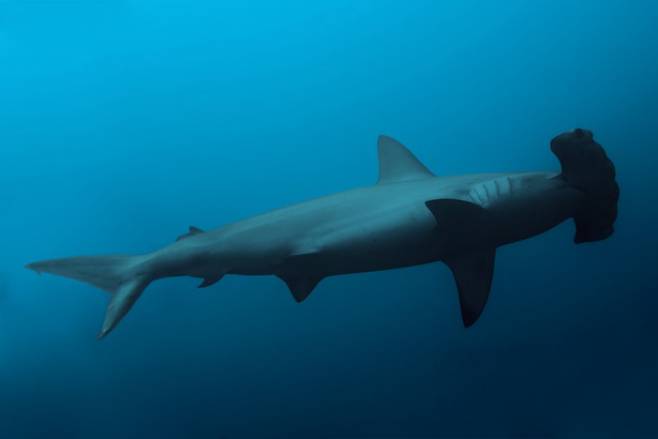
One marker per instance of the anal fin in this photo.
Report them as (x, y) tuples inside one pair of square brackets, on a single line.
[(211, 280), (473, 274)]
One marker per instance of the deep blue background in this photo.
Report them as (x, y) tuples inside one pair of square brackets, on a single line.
[(121, 123)]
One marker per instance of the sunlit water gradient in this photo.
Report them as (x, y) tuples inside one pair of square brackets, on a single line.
[(123, 122)]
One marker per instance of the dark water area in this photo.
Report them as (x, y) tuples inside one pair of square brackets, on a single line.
[(124, 122)]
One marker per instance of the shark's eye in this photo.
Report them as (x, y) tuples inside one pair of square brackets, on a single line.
[(580, 133)]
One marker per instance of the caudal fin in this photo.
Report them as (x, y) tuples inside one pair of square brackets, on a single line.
[(586, 167), (118, 275)]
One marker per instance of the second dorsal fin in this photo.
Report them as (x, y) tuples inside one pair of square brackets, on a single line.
[(191, 232), (397, 163)]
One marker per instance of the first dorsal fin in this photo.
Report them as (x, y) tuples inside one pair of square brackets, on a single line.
[(397, 163), (191, 232)]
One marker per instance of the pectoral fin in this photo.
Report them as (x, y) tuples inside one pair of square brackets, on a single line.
[(457, 216), (473, 274)]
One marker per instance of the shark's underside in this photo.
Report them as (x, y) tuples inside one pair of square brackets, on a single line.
[(409, 217)]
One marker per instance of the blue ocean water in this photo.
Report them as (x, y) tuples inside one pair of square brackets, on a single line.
[(121, 123)]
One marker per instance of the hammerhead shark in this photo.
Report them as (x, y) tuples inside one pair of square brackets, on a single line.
[(409, 217)]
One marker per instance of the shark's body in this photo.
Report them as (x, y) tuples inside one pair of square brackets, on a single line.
[(409, 217), (366, 229)]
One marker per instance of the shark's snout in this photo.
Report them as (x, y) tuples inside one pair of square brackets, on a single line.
[(586, 166)]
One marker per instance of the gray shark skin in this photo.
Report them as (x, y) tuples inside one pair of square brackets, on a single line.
[(409, 217)]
